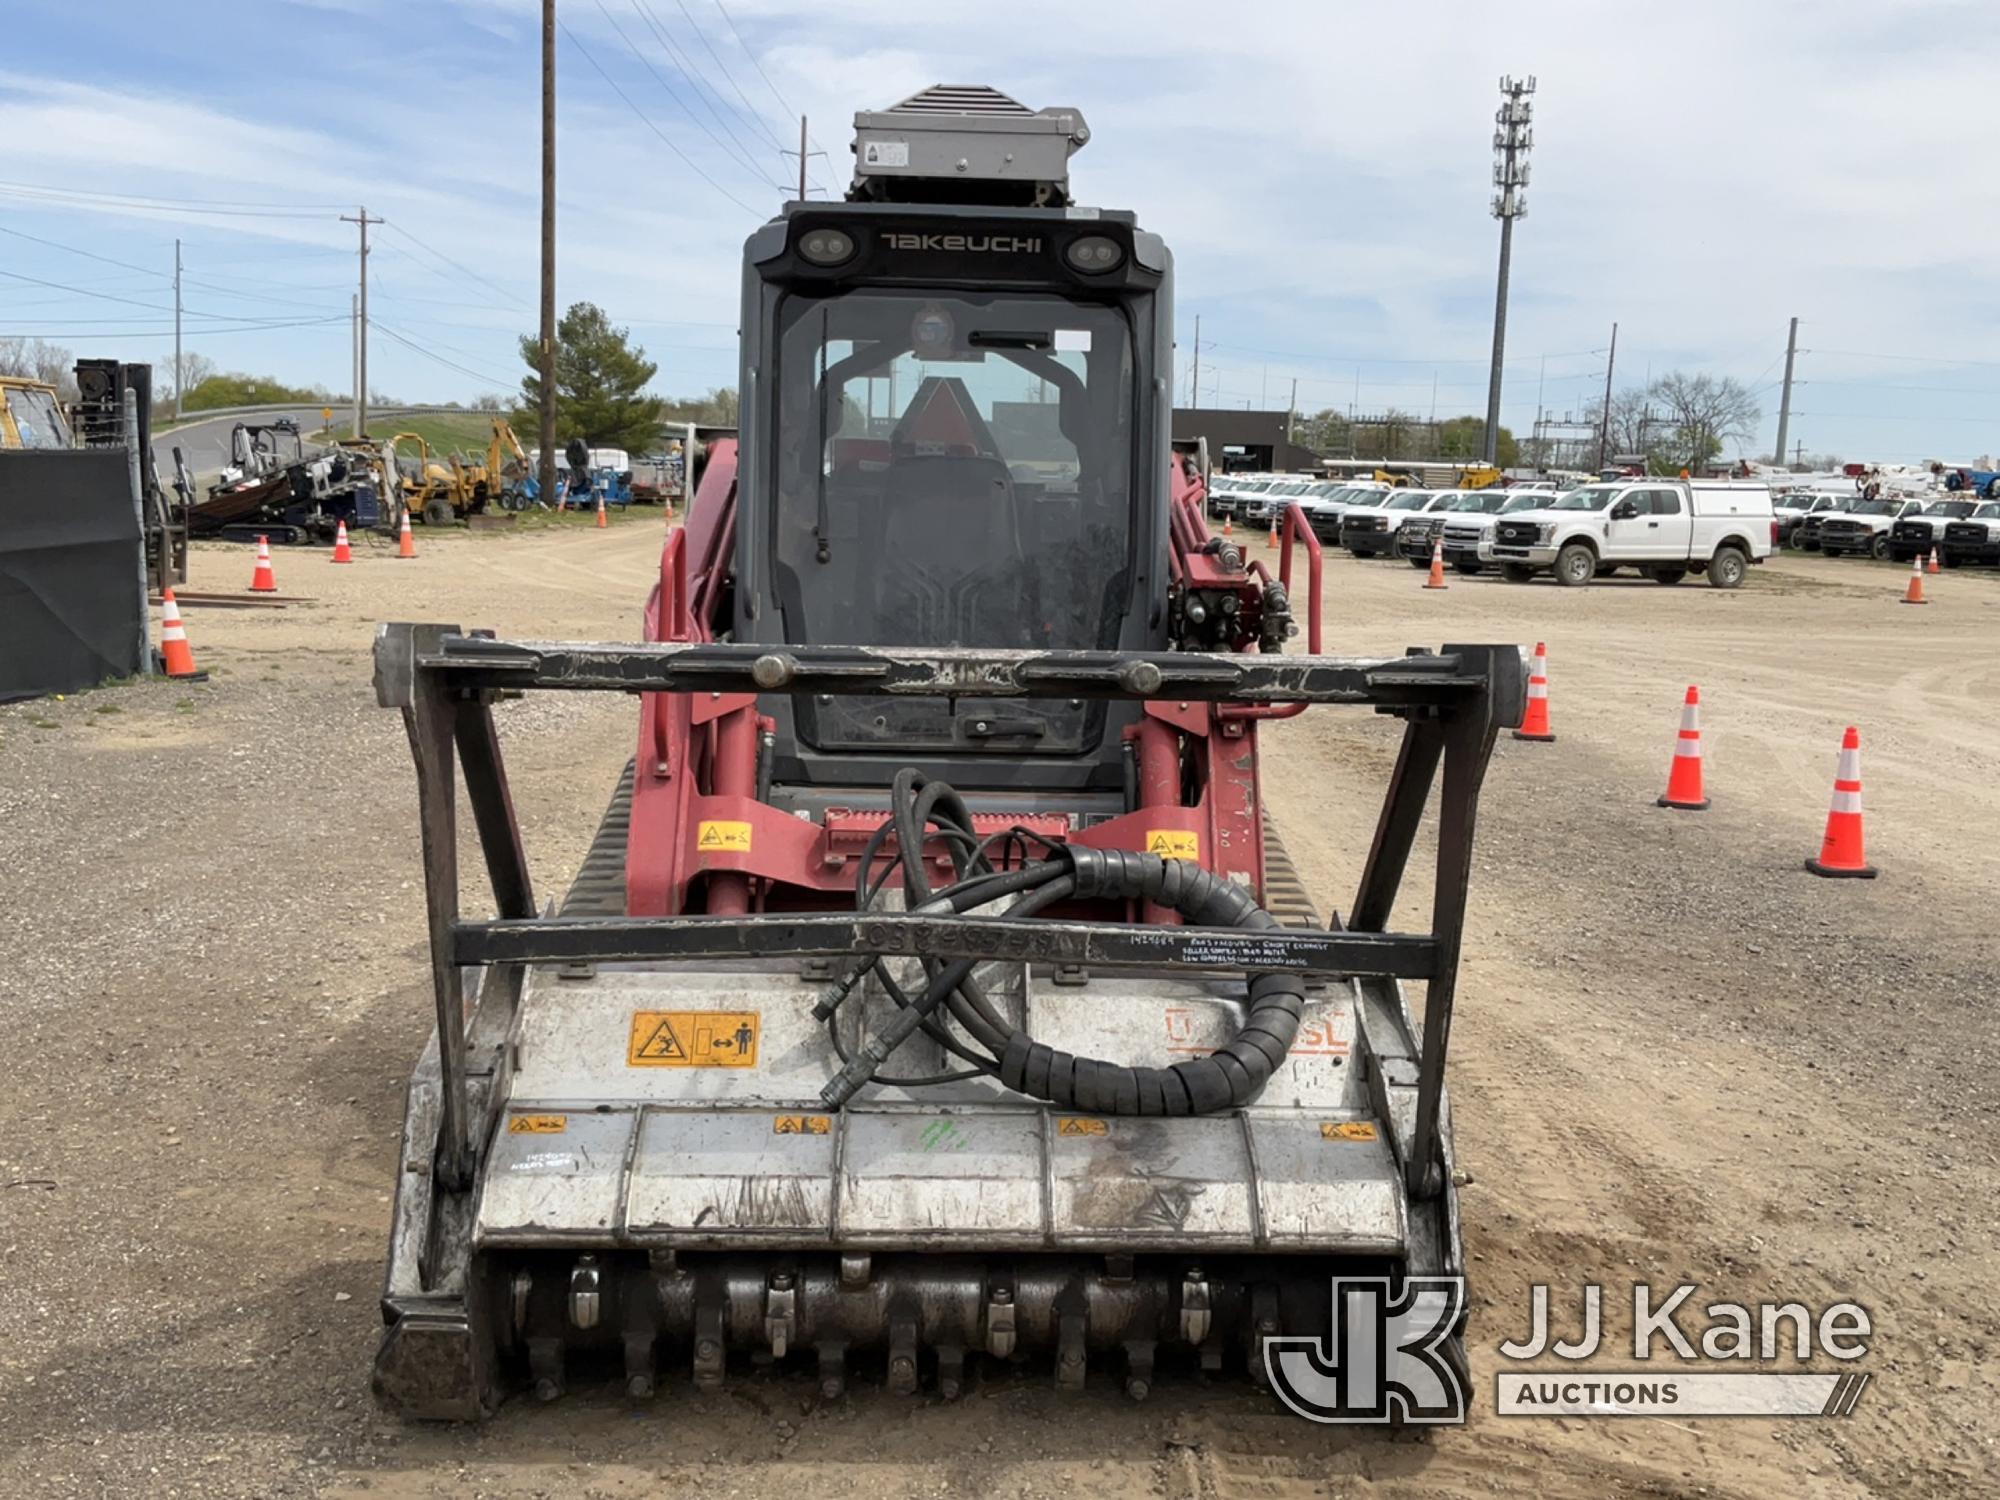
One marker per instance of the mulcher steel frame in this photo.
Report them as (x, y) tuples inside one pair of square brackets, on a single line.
[(445, 682)]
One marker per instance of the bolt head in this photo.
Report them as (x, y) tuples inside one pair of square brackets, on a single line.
[(830, 1389), (639, 1387), (547, 1390), (1138, 1390), (705, 1348)]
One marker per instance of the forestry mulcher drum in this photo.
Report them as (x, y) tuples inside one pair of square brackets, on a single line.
[(936, 994)]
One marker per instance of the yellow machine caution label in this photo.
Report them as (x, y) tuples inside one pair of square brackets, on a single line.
[(1173, 843), (1081, 1125), (537, 1124), (722, 837), (693, 1039), (801, 1124), (1346, 1130)]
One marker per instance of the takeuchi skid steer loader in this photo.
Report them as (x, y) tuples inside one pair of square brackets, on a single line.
[(935, 988)]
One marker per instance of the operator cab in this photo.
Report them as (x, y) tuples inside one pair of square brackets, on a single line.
[(953, 437)]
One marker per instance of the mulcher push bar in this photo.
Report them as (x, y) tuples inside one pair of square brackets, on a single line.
[(444, 681), (1038, 940), (1416, 680)]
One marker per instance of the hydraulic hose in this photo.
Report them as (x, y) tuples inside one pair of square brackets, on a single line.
[(1232, 1076)]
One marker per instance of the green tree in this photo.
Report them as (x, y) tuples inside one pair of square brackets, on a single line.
[(231, 388), (1464, 438), (601, 380)]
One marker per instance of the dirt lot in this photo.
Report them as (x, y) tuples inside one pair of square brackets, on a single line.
[(1678, 1056)]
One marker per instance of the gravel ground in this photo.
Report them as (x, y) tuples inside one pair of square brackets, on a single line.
[(1678, 1057)]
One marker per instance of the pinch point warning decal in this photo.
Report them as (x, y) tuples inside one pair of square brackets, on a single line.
[(1346, 1130), (1081, 1125), (537, 1124), (713, 836), (1173, 843), (801, 1124), (693, 1039)]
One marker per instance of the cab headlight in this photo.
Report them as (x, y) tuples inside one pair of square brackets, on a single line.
[(827, 247), (1094, 254)]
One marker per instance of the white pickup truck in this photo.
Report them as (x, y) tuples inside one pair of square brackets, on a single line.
[(1664, 528)]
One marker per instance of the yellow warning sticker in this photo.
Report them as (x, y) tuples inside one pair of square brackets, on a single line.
[(1173, 843), (722, 837), (537, 1124), (1346, 1130), (1081, 1125), (693, 1039), (801, 1124)]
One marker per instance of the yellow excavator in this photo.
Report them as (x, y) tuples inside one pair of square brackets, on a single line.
[(500, 479)]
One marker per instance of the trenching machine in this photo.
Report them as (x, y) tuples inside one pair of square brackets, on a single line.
[(936, 988)]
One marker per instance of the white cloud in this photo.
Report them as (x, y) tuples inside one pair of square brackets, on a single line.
[(1702, 172)]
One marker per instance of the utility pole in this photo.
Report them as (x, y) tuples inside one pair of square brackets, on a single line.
[(1194, 391), (361, 326), (802, 154), (546, 478), (180, 367), (354, 355), (1292, 414), (1512, 141), (1604, 427), (1785, 402)]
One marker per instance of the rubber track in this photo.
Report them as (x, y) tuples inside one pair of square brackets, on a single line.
[(599, 888)]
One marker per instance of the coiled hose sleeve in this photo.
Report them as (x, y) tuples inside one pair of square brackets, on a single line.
[(1231, 1076)]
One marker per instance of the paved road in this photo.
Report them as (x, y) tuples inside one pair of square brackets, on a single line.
[(205, 445)]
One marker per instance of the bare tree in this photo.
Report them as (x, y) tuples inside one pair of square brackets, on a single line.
[(195, 368), (36, 360), (1700, 414)]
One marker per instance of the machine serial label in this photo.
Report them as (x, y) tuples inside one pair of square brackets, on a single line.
[(1173, 843), (537, 1124), (801, 1124), (693, 1039), (722, 837), (885, 153), (1346, 1130), (1081, 1125)]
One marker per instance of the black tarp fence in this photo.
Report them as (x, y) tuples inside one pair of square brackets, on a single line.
[(72, 571)]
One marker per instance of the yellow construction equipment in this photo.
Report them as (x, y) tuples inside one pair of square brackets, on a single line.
[(31, 415)]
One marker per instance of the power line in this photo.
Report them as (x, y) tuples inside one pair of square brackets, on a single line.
[(126, 301), (167, 332), (455, 265), (132, 202), (733, 147), (759, 66), (749, 108), (416, 348), (647, 121), (157, 275)]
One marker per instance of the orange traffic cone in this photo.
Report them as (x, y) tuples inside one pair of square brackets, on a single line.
[(1535, 724), (1933, 569), (1272, 540), (1436, 580), (263, 580), (1915, 593), (406, 540), (341, 551), (1226, 529), (174, 649), (1684, 789), (1841, 852), (601, 523)]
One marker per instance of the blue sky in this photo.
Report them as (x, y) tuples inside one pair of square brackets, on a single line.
[(1702, 172)]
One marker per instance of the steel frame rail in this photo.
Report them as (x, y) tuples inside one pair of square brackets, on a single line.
[(445, 681)]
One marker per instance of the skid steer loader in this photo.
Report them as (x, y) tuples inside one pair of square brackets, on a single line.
[(935, 992)]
